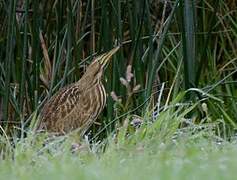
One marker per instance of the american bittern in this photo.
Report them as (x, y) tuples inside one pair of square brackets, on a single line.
[(79, 104)]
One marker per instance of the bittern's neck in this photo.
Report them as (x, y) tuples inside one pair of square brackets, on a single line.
[(87, 82)]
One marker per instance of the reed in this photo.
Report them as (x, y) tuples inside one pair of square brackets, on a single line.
[(45, 45)]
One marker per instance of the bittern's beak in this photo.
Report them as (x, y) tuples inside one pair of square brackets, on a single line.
[(107, 56)]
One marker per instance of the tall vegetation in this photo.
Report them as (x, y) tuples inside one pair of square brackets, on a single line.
[(167, 47)]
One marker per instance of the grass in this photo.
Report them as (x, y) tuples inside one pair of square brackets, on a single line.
[(200, 160), (183, 157), (159, 149)]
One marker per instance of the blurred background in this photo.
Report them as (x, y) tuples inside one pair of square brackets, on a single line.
[(168, 47)]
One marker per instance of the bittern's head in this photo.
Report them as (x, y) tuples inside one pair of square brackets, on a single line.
[(96, 69)]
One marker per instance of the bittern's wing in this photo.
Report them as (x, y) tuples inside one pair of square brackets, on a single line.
[(61, 104)]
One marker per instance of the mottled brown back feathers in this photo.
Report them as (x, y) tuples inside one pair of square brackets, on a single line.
[(72, 108)]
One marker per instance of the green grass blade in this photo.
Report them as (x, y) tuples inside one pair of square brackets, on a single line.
[(24, 58), (158, 51), (188, 42), (9, 56)]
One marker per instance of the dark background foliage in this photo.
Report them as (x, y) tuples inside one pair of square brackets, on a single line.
[(167, 47)]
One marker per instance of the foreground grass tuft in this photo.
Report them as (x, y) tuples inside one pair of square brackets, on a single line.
[(160, 149), (177, 159)]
